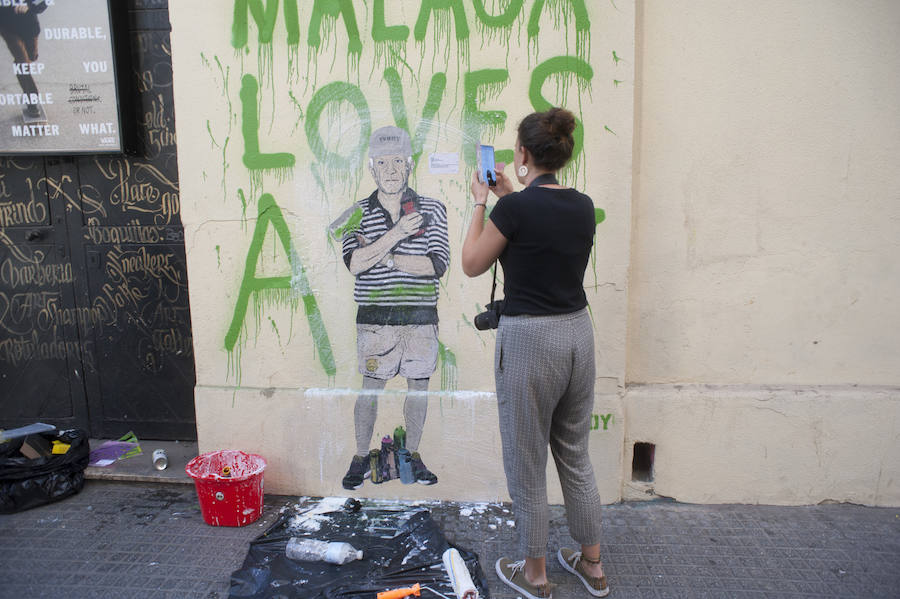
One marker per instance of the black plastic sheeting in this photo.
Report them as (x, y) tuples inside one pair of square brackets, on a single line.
[(27, 483), (401, 546)]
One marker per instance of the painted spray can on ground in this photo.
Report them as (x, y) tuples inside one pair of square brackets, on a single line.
[(229, 486)]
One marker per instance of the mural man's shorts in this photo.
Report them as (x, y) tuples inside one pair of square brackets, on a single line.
[(384, 351)]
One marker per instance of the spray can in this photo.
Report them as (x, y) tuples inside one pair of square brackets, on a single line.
[(404, 466), (459, 575), (374, 466), (388, 462), (160, 460), (314, 550), (399, 437)]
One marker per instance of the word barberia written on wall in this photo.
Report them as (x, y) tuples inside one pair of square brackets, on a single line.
[(58, 89)]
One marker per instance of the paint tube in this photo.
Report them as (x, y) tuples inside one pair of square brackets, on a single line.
[(459, 575)]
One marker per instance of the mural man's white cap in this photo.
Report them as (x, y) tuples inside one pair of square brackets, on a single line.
[(389, 141)]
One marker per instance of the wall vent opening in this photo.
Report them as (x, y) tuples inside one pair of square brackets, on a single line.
[(642, 462)]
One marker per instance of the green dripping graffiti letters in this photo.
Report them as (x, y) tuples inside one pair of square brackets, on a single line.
[(429, 6), (253, 159), (334, 9), (503, 20), (294, 284), (265, 18), (432, 104)]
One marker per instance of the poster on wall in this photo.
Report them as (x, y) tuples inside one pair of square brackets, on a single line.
[(58, 92)]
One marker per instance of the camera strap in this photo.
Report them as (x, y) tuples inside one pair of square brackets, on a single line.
[(494, 283)]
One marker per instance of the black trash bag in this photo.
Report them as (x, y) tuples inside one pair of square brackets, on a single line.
[(27, 483), (401, 546)]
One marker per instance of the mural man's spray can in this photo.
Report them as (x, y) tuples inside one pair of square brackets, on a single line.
[(409, 207)]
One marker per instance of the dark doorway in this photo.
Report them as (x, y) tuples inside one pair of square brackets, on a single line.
[(95, 327)]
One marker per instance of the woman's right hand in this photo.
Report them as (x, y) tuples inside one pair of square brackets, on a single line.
[(504, 185)]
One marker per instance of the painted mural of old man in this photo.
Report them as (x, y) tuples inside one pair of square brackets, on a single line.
[(397, 248)]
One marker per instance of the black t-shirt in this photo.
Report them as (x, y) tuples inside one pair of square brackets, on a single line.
[(550, 233)]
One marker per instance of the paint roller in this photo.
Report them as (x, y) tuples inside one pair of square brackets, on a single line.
[(459, 575)]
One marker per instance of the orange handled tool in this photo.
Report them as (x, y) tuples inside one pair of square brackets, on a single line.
[(401, 593)]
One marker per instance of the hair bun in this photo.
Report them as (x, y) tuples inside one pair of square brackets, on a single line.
[(560, 122)]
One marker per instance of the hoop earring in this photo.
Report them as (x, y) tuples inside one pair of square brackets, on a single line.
[(523, 171)]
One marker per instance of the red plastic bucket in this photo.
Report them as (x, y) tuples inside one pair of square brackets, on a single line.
[(229, 486)]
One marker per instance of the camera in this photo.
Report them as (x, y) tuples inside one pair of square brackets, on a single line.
[(490, 318)]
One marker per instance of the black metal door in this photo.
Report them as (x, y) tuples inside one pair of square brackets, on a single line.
[(95, 326), (42, 358)]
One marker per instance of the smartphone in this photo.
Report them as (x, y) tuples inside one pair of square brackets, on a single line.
[(486, 170)]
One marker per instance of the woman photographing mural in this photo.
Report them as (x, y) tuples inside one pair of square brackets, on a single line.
[(544, 357)]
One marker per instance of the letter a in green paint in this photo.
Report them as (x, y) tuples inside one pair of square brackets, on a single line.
[(250, 129), (270, 214), (265, 21), (559, 64), (334, 8), (432, 104), (383, 33), (429, 6), (582, 22)]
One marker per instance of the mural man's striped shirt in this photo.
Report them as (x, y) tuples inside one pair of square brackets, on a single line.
[(390, 296)]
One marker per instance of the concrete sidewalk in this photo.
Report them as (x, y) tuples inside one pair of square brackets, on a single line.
[(148, 540)]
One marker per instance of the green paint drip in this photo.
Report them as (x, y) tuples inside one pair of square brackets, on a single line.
[(599, 217), (278, 290), (504, 20), (218, 257), (264, 18), (334, 9), (336, 166), (442, 11), (559, 14), (448, 368), (390, 41), (479, 86), (498, 28), (299, 108), (243, 206), (429, 6), (432, 105), (554, 68), (275, 328), (253, 159), (209, 130)]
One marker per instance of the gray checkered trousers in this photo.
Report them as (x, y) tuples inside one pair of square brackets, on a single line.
[(544, 370)]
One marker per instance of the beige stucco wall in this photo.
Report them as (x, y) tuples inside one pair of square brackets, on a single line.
[(744, 285), (764, 251), (767, 221), (285, 389)]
